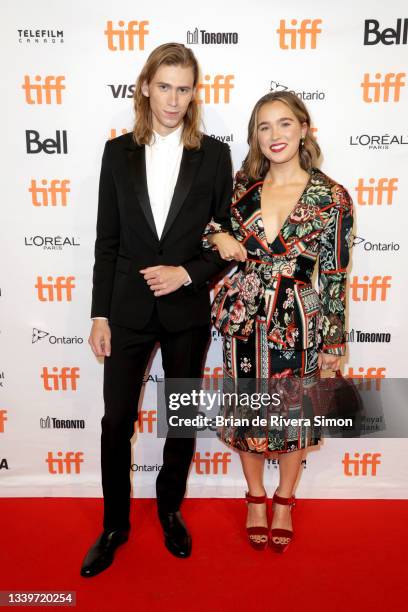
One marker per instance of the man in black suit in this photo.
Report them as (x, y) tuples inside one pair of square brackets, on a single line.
[(159, 187)]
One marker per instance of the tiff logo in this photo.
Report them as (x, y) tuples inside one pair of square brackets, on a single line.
[(376, 191), (366, 375), (211, 463), (55, 291), (43, 93), (146, 419), (66, 380), (70, 463), (299, 37), (220, 83), (370, 291), (364, 466), (3, 419), (211, 377), (53, 195), (122, 38), (379, 90)]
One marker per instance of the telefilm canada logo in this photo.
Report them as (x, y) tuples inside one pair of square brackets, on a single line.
[(40, 36), (51, 243), (203, 37), (317, 94), (39, 334)]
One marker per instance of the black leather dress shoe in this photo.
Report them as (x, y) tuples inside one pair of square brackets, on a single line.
[(176, 536), (100, 555)]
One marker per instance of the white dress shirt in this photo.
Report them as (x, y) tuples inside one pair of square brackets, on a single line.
[(163, 158)]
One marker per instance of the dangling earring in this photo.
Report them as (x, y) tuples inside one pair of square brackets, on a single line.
[(302, 142)]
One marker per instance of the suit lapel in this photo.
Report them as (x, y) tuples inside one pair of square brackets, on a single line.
[(189, 165), (139, 180)]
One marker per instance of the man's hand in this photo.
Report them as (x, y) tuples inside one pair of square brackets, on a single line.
[(325, 361), (228, 247), (100, 338), (164, 279)]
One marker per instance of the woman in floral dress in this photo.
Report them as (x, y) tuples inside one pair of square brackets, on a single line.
[(285, 215)]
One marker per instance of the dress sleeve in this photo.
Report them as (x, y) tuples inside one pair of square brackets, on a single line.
[(216, 226), (335, 242)]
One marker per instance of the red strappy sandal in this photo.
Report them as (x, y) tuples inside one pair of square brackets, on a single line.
[(258, 536), (280, 547)]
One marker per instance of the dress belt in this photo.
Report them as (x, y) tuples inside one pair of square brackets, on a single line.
[(243, 266)]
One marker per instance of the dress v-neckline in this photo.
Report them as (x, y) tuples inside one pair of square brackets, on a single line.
[(269, 244)]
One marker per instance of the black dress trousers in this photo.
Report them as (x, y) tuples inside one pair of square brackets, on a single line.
[(183, 354)]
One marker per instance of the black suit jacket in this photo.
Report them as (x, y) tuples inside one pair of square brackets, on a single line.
[(126, 238)]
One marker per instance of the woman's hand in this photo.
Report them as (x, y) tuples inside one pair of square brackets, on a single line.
[(228, 247), (325, 361)]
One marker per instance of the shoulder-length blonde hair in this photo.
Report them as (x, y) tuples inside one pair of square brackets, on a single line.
[(256, 165), (169, 54)]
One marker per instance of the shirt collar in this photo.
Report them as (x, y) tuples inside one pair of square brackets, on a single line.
[(173, 139)]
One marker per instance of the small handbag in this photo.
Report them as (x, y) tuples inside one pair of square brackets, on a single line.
[(339, 398)]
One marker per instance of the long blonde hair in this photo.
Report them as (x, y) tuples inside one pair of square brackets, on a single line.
[(169, 54), (255, 164)]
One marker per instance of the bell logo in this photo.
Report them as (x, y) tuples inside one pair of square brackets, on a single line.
[(220, 83), (365, 376), (3, 419), (299, 37), (211, 462), (122, 38), (50, 146), (42, 93), (60, 290), (370, 291), (54, 195), (366, 466), (376, 192), (60, 381), (146, 418), (64, 464), (392, 82)]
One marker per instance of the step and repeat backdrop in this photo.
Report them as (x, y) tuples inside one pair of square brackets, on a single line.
[(69, 71)]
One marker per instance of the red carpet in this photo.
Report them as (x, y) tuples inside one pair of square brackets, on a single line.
[(346, 555)]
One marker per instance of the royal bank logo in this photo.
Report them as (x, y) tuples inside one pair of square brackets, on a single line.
[(202, 37), (223, 137), (2, 379), (317, 94), (37, 37)]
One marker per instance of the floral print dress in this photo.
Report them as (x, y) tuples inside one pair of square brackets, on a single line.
[(273, 321)]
